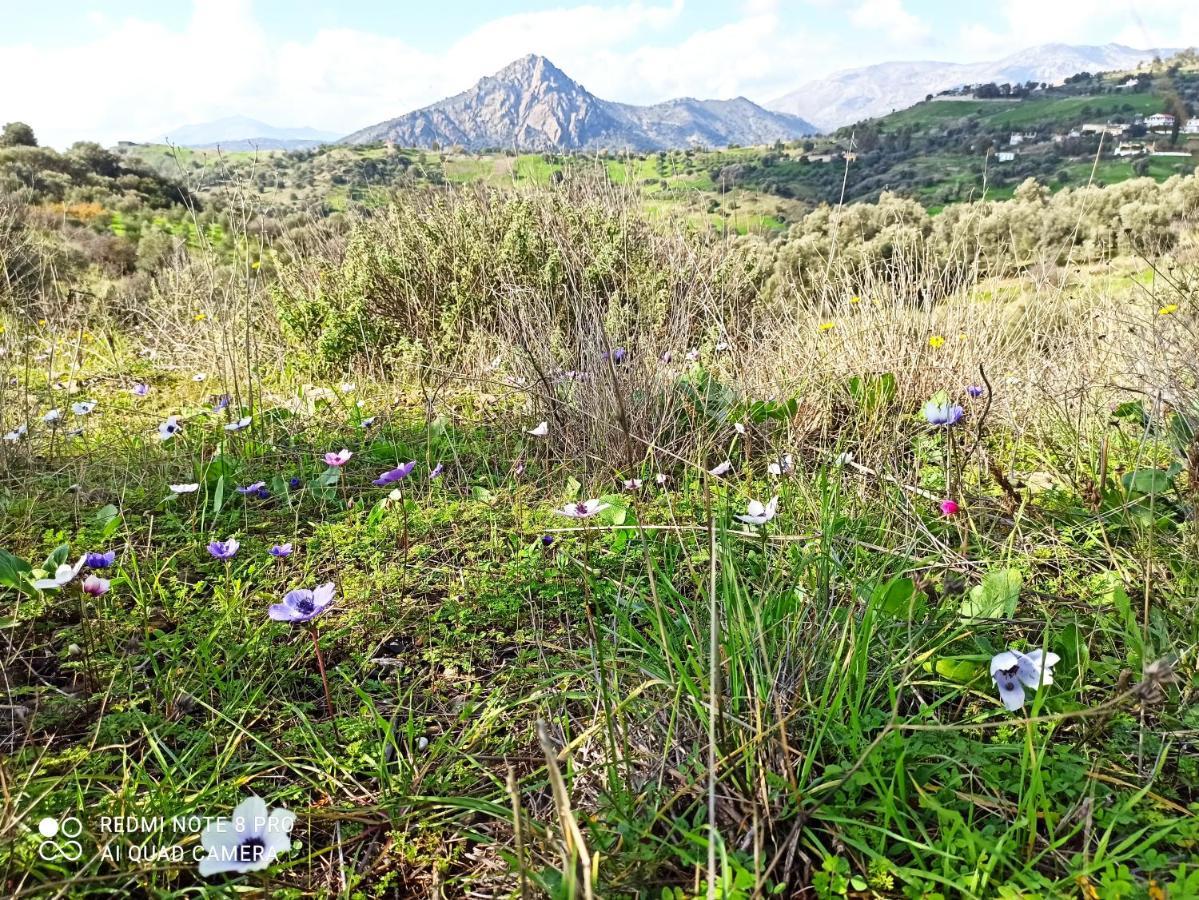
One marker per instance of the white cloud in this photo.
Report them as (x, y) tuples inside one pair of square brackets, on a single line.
[(891, 17)]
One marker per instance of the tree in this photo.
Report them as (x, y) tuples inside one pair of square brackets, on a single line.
[(17, 134)]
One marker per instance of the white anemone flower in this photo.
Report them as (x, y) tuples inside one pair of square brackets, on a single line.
[(542, 429), (63, 576), (169, 428), (17, 433), (240, 424), (52, 416), (249, 841), (757, 514), (584, 509), (633, 484), (186, 488), (347, 386), (739, 428), (1014, 671), (83, 408), (721, 469), (200, 376), (785, 466)]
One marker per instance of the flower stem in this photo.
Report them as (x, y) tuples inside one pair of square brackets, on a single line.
[(320, 664)]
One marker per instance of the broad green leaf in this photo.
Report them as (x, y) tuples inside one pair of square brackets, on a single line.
[(218, 496), (14, 573), (897, 598), (996, 597), (1147, 481)]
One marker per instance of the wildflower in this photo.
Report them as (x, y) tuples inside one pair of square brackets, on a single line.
[(843, 459), (949, 508), (436, 473), (661, 479), (240, 424), (222, 403), (280, 551), (83, 408), (939, 411), (200, 376), (739, 428), (293, 482), (584, 509), (666, 358), (633, 484), (827, 326), (693, 354), (391, 476), (17, 433), (617, 355), (252, 488), (339, 459), (1168, 310), (855, 299), (52, 417), (95, 560), (347, 386), (936, 342), (140, 390), (169, 428), (367, 422), (62, 576), (1013, 671), (785, 466), (248, 842), (540, 430), (199, 317), (720, 469), (757, 514), (224, 550), (518, 468), (189, 488), (722, 347), (302, 604), (263, 493), (547, 540), (96, 586), (974, 391)]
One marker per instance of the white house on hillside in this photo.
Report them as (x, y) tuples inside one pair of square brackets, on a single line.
[(1133, 148), (1159, 120), (1004, 156), (1191, 127)]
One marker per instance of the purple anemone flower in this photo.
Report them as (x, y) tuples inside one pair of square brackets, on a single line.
[(96, 586), (280, 551), (97, 560), (140, 389), (943, 413), (293, 483), (547, 540), (263, 494), (436, 473), (302, 604), (221, 404), (338, 459), (252, 488), (225, 550), (391, 476), (974, 391), (617, 355)]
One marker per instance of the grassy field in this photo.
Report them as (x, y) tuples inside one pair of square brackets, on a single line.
[(717, 607)]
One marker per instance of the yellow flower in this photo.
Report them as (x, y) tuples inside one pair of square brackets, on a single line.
[(41, 321), (936, 342), (1168, 309), (200, 317), (855, 299), (963, 337), (827, 326)]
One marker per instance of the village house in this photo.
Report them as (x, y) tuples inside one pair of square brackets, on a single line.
[(1133, 148), (1159, 120), (1004, 156), (1107, 128), (1021, 138), (1191, 126)]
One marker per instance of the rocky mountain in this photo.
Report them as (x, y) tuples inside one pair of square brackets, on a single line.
[(244, 133), (533, 105), (854, 94)]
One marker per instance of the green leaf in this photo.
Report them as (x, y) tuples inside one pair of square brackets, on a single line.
[(897, 598), (573, 486), (996, 597), (1147, 481), (110, 518), (14, 573), (218, 497), (57, 558), (959, 671), (874, 392)]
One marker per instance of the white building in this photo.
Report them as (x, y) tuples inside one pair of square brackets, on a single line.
[(1191, 127), (1004, 156), (1021, 137), (1133, 148), (1109, 128), (1159, 120)]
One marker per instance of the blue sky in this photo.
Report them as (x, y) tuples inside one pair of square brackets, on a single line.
[(340, 66)]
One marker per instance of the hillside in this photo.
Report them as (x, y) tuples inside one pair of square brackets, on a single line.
[(872, 91), (533, 105)]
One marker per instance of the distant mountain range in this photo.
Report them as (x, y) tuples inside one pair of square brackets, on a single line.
[(243, 133), (855, 94), (531, 104)]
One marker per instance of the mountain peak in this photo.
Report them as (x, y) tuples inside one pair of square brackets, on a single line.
[(531, 104)]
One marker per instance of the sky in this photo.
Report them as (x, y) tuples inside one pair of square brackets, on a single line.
[(111, 70)]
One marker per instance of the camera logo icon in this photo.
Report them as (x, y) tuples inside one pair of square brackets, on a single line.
[(59, 839)]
